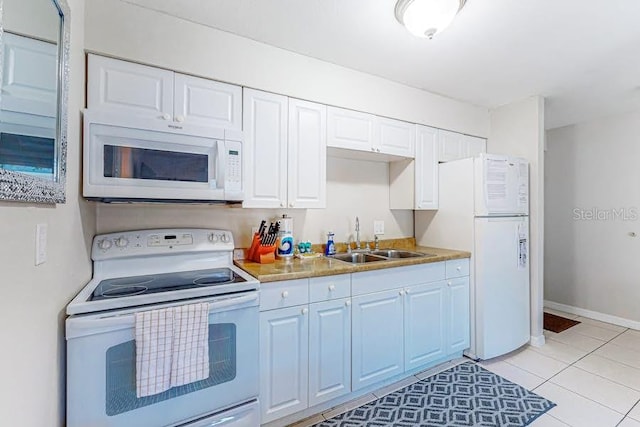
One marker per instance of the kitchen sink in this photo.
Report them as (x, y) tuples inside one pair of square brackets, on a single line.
[(358, 258), (394, 253)]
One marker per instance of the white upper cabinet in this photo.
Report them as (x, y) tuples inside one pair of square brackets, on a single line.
[(353, 130), (350, 129), (264, 121), (426, 164), (153, 93), (285, 145), (29, 70), (455, 146), (307, 159), (396, 137), (413, 184), (207, 103)]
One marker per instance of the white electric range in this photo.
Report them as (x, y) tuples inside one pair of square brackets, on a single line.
[(146, 270)]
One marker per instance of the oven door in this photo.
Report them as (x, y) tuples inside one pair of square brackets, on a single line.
[(122, 161), (101, 360)]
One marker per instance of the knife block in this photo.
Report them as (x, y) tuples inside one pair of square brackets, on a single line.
[(264, 254)]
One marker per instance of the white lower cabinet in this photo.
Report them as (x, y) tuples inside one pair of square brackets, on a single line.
[(329, 350), (377, 326), (325, 337), (284, 361), (425, 324), (458, 311)]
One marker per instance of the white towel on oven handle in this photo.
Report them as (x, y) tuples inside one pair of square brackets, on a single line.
[(190, 344), (154, 348)]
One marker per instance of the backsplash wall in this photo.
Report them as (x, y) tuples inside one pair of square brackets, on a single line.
[(354, 187)]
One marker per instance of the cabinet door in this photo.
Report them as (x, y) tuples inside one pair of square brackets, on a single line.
[(351, 129), (425, 309), (29, 70), (207, 103), (474, 146), (284, 362), (377, 338), (451, 145), (458, 314), (128, 88), (264, 122), (426, 164), (396, 137), (329, 350), (307, 160)]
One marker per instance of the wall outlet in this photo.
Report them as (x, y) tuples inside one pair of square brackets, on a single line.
[(41, 244), (378, 227), (238, 254)]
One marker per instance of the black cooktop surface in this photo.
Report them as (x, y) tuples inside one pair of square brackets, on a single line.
[(154, 283)]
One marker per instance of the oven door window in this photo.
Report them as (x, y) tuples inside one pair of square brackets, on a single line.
[(121, 371), (144, 163)]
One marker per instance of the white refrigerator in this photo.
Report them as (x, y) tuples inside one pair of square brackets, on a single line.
[(484, 209)]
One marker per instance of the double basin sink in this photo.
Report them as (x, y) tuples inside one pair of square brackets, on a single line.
[(379, 255)]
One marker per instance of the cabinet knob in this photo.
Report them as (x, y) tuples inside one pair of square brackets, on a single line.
[(459, 268), (282, 205), (401, 293), (332, 288), (179, 119), (407, 291), (291, 204), (373, 149), (378, 150), (305, 310), (448, 283), (166, 116), (285, 294), (347, 303)]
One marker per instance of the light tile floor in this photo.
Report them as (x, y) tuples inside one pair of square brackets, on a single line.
[(591, 371)]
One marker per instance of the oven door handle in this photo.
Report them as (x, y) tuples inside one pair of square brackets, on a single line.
[(230, 302), (83, 326)]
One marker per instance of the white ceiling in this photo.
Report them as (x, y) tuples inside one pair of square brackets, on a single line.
[(582, 55)]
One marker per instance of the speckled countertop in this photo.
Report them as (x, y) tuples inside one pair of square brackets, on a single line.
[(290, 269)]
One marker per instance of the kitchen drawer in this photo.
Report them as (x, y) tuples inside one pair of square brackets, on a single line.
[(284, 294), (457, 268), (329, 287)]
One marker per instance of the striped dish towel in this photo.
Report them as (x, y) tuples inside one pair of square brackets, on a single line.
[(154, 341), (190, 344)]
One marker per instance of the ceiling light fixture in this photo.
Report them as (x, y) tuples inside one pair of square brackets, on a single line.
[(426, 18)]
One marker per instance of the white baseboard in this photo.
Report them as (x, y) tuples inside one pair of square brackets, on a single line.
[(620, 321), (537, 341)]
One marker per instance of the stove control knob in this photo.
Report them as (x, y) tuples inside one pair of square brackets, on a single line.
[(213, 238), (225, 238), (121, 242), (104, 244)]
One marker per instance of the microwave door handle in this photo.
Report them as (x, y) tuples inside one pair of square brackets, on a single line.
[(221, 160)]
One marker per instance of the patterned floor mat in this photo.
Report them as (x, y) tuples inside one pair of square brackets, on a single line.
[(465, 395)]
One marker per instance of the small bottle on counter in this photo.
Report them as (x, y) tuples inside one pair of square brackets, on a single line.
[(330, 249)]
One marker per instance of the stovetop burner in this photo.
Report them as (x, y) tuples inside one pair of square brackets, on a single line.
[(141, 285)]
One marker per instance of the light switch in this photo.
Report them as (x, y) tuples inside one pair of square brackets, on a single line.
[(378, 227), (41, 244)]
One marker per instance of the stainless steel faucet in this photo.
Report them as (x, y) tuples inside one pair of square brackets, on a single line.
[(358, 233)]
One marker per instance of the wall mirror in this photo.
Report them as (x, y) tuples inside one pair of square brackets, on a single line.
[(34, 81)]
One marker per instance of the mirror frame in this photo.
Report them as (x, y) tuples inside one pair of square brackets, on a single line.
[(19, 187)]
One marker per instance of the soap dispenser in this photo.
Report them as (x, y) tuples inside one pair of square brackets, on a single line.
[(330, 249)]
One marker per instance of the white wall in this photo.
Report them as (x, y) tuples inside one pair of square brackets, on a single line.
[(354, 188), (517, 129), (116, 28), (33, 299), (593, 264)]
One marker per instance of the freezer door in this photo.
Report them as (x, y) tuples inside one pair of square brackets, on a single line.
[(501, 285), (502, 185)]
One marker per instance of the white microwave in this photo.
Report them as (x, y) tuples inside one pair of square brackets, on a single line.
[(126, 160)]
